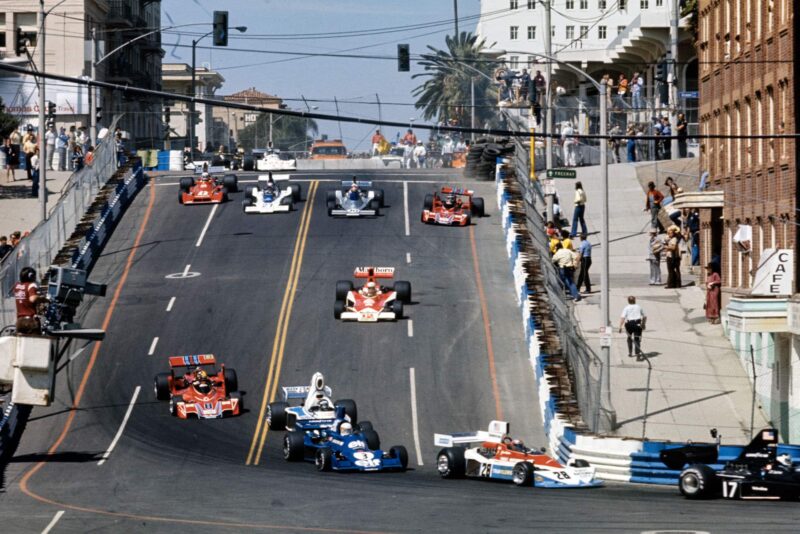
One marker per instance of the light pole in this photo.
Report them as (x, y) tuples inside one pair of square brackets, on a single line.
[(241, 29), (604, 238), (308, 109)]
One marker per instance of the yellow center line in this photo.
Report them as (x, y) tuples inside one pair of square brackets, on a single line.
[(279, 342)]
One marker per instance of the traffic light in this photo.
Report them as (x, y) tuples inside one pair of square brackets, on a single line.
[(220, 28), (20, 42), (661, 72), (403, 58), (98, 114), (51, 109)]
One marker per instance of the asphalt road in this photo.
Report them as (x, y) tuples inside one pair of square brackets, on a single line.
[(262, 301)]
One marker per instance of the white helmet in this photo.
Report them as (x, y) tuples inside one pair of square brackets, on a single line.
[(345, 429), (371, 289), (784, 459)]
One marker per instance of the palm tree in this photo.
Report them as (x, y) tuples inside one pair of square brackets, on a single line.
[(446, 94)]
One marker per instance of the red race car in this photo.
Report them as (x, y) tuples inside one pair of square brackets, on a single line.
[(207, 189), (453, 206), (373, 302), (194, 388)]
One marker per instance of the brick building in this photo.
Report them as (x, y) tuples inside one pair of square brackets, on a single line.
[(747, 79)]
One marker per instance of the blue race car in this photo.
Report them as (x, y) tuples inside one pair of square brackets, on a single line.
[(343, 447)]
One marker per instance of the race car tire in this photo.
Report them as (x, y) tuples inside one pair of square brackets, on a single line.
[(428, 202), (398, 451), (468, 220), (186, 183), (343, 287), (363, 426), (173, 405), (296, 192), (477, 207), (293, 446), (450, 462), (331, 196), (231, 380), (276, 415), (522, 474), (338, 309), (231, 183), (403, 290), (248, 191), (379, 197), (249, 164), (324, 459), (397, 308), (698, 481), (350, 409), (180, 197), (372, 439), (238, 396), (287, 202), (331, 204), (161, 386), (246, 203), (375, 204)]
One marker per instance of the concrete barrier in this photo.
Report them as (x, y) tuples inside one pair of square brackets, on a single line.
[(344, 164)]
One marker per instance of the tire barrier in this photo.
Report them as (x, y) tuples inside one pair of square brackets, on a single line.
[(482, 157)]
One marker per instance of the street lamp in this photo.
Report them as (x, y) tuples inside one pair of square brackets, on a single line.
[(240, 29)]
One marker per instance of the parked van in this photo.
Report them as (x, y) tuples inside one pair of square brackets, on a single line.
[(328, 149)]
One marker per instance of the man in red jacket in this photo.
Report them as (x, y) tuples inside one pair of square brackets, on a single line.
[(27, 296), (652, 202)]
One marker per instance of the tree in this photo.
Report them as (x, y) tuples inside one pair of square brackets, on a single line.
[(8, 122), (446, 94), (288, 132)]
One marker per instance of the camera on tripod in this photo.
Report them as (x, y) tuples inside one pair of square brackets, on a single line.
[(66, 288)]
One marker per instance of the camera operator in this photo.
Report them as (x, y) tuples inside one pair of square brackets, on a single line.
[(26, 293)]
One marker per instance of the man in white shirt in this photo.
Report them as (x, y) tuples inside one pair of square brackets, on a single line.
[(568, 143), (634, 320), (50, 148)]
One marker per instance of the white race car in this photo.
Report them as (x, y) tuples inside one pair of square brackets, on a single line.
[(271, 195), (276, 161), (501, 457), (317, 412)]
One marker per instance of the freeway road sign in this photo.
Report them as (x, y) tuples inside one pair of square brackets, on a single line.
[(561, 173)]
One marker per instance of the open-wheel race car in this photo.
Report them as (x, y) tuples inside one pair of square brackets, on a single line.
[(355, 199), (498, 456), (207, 188), (372, 302), (452, 206), (195, 387), (317, 411), (760, 471), (271, 195)]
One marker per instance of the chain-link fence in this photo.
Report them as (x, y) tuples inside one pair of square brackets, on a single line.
[(38, 249), (585, 366)]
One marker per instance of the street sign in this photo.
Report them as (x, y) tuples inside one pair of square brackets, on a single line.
[(561, 173), (250, 117), (689, 94)]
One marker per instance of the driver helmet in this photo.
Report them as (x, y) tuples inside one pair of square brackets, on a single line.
[(449, 199), (205, 176), (507, 440), (518, 444), (371, 289), (201, 375), (324, 405), (784, 459), (345, 429)]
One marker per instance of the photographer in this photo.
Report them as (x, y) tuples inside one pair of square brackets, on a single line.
[(27, 297)]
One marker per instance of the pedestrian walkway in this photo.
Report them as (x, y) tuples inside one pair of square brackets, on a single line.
[(18, 210), (697, 381)]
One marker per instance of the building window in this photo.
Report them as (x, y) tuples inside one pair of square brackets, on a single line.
[(570, 32), (601, 32), (782, 125), (584, 31), (531, 4), (570, 4), (531, 61), (738, 107), (644, 4), (659, 3), (513, 62), (759, 128), (623, 5), (2, 30), (27, 22), (584, 4), (514, 4), (749, 129), (514, 31), (531, 32), (602, 4), (620, 29), (771, 121), (770, 11), (748, 8)]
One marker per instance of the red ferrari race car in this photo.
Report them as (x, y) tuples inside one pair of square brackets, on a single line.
[(207, 189), (195, 388), (373, 302), (453, 206)]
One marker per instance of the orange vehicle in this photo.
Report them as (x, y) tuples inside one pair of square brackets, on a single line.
[(328, 149)]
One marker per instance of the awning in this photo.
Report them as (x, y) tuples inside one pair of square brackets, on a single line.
[(699, 200)]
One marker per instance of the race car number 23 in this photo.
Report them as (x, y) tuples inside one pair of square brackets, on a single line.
[(486, 470)]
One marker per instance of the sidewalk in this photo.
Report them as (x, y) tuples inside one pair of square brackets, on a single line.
[(18, 210), (697, 381)]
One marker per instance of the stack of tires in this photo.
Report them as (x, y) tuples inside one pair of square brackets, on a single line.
[(482, 157)]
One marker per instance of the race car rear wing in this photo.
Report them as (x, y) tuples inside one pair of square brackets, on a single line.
[(497, 429), (360, 183), (275, 177), (374, 272), (211, 170), (301, 392), (192, 360), (457, 191)]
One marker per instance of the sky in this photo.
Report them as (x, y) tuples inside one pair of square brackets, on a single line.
[(350, 80)]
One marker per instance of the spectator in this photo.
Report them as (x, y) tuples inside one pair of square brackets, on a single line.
[(11, 160), (82, 139), (16, 139), (410, 138), (630, 144), (29, 148), (693, 231), (419, 155), (377, 140), (447, 152), (614, 143), (673, 189), (77, 158), (658, 131), (622, 90), (61, 148), (35, 173), (585, 251), (568, 144), (88, 158), (579, 211), (50, 146), (27, 296), (654, 249), (634, 320), (673, 258), (408, 154), (566, 241), (641, 145), (72, 143), (636, 87), (550, 230), (5, 248), (666, 131), (681, 132), (712, 305), (119, 145), (16, 235), (653, 201), (541, 88), (524, 83), (564, 260)]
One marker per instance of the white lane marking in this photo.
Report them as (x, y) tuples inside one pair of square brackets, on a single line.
[(414, 425), (122, 426), (208, 223), (171, 303), (186, 270), (53, 522), (410, 328), (153, 347), (408, 257), (405, 206)]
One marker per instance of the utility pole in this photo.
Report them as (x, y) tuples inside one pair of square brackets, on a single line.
[(548, 111), (380, 115), (42, 145), (455, 15), (190, 128), (672, 75), (337, 114), (605, 343), (472, 112), (270, 132), (92, 93)]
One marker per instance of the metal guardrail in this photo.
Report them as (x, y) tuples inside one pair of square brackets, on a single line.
[(38, 249)]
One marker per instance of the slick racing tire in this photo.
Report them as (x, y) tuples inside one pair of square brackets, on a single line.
[(343, 287), (379, 197), (231, 381), (249, 190), (180, 197), (276, 415), (350, 409), (477, 207), (173, 405), (246, 203), (161, 386), (248, 164), (186, 183), (428, 202), (468, 220), (331, 204), (522, 474), (363, 426), (288, 202), (372, 439), (398, 451), (450, 462), (296, 192), (237, 396), (338, 309), (698, 481), (293, 444), (403, 290), (375, 204), (231, 183), (324, 459), (397, 308), (331, 196)]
